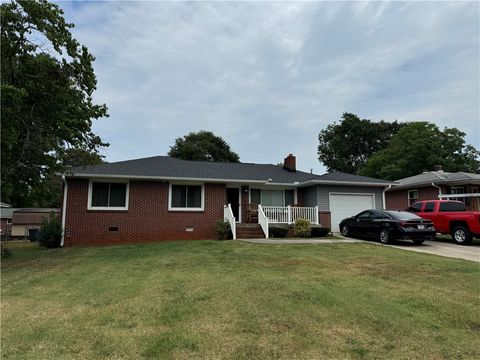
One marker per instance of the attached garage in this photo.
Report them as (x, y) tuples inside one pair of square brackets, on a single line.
[(343, 205)]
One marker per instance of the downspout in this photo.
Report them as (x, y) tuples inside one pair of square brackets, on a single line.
[(439, 189), (383, 196), (64, 208)]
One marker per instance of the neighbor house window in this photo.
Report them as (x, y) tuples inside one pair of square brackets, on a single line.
[(412, 196), (110, 196), (186, 197), (457, 190)]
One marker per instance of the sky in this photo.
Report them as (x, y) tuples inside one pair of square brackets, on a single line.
[(269, 76)]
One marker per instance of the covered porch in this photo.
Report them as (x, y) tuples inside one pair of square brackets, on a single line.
[(265, 215)]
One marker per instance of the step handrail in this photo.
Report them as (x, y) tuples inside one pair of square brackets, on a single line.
[(228, 216), (263, 220)]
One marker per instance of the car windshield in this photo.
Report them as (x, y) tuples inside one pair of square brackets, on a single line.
[(402, 215)]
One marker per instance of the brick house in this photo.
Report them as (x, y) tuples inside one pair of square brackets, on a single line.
[(432, 185), (163, 198)]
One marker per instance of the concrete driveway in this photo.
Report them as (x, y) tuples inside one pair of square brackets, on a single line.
[(471, 252)]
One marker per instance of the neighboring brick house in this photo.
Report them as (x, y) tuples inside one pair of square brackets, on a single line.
[(163, 198), (432, 184)]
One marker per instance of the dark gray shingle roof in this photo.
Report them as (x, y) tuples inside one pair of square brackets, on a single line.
[(439, 177), (165, 166), (168, 167)]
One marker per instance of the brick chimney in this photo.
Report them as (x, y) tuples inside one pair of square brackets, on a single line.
[(290, 163), (438, 168)]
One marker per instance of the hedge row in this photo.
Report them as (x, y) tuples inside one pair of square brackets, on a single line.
[(281, 231)]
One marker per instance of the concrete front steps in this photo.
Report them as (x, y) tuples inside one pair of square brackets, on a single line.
[(249, 231)]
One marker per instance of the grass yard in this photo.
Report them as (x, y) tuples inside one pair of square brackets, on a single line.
[(235, 300)]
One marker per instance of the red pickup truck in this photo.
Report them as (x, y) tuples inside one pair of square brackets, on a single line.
[(450, 217)]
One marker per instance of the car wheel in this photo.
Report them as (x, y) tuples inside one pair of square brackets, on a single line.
[(418, 241), (345, 230), (384, 236), (461, 235)]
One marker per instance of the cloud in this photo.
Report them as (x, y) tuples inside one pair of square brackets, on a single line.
[(269, 76)]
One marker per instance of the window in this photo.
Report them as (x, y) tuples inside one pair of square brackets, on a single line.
[(452, 206), (412, 196), (108, 196), (289, 197), (364, 215), (272, 197), (380, 215), (255, 196), (429, 207), (186, 197), (457, 190), (415, 208)]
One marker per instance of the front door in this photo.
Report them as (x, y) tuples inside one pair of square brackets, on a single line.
[(234, 200)]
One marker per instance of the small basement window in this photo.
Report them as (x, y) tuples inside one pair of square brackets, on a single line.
[(108, 196), (186, 197)]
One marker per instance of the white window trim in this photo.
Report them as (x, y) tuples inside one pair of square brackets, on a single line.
[(408, 197), (107, 208), (202, 198)]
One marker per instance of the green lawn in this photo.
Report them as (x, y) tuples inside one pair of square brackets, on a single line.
[(234, 300)]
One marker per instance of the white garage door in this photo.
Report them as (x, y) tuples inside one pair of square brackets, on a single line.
[(346, 205)]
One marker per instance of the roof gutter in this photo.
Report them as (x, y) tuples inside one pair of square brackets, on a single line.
[(64, 208), (383, 196)]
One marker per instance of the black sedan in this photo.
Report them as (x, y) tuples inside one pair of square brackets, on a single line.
[(387, 226)]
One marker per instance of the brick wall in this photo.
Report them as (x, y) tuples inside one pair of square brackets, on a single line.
[(398, 199), (147, 218), (324, 218), (6, 228)]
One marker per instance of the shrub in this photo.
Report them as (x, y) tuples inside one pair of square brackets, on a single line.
[(5, 253), (318, 231), (51, 232), (223, 230), (277, 231), (302, 228)]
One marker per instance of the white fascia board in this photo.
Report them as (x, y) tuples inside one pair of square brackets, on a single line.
[(168, 178), (236, 181), (356, 183)]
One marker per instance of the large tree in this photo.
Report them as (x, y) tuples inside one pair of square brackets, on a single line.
[(418, 147), (346, 146), (203, 145), (47, 84)]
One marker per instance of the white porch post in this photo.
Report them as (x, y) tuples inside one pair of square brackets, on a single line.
[(289, 213), (316, 215)]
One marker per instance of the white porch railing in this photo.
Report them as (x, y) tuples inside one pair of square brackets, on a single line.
[(263, 220), (228, 216), (288, 214)]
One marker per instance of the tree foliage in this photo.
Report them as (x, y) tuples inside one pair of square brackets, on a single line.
[(203, 145), (418, 147), (346, 146), (46, 97), (75, 157)]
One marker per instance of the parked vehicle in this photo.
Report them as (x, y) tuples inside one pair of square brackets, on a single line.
[(450, 217), (386, 226)]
